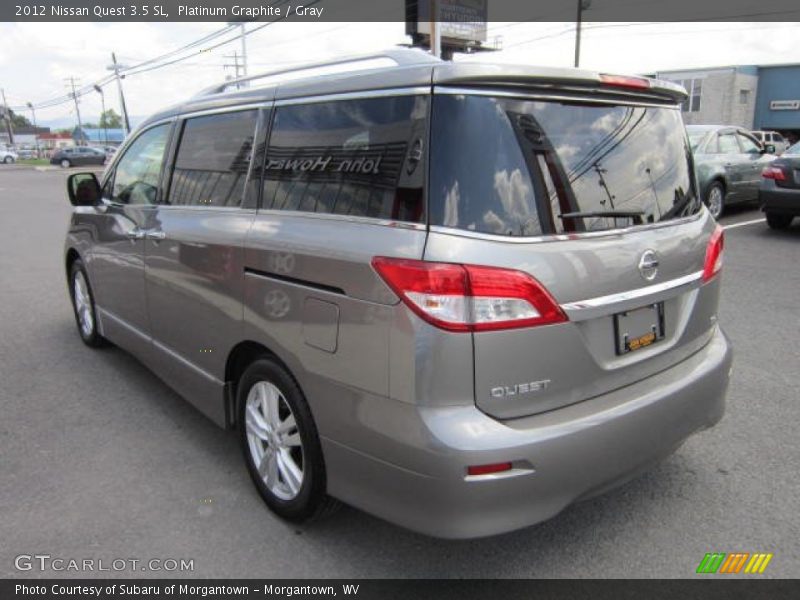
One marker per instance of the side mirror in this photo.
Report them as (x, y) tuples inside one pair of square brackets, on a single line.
[(769, 149), (83, 189)]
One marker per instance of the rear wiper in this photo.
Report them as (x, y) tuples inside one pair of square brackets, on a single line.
[(617, 214)]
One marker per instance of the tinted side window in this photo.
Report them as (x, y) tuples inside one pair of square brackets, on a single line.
[(212, 160), (137, 172), (351, 157)]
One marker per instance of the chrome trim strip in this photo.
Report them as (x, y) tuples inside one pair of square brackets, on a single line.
[(580, 94), (515, 472), (378, 93), (561, 237), (347, 218), (650, 290), (224, 109)]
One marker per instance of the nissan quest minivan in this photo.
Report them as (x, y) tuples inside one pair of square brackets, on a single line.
[(460, 296)]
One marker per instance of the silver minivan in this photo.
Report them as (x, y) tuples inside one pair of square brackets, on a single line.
[(456, 296)]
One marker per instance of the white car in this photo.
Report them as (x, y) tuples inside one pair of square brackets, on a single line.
[(8, 156), (772, 137)]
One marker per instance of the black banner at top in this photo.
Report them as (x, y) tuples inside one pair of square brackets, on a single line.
[(449, 11)]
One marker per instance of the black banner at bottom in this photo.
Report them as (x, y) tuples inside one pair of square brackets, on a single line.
[(368, 589)]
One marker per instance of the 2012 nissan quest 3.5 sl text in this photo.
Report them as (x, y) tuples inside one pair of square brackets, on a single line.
[(457, 296)]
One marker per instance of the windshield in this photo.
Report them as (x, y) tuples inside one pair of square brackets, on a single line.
[(526, 168)]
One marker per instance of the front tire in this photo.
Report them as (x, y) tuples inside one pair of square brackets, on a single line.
[(8, 160), (83, 305), (715, 199), (778, 221), (65, 164), (280, 442)]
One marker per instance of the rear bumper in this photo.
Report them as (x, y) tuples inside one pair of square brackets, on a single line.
[(558, 457), (782, 201)]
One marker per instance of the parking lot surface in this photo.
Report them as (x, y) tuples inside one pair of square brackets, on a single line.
[(99, 459)]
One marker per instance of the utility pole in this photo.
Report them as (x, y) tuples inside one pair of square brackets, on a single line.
[(582, 6), (244, 49), (99, 90), (7, 115), (71, 81), (235, 65), (116, 67), (436, 32), (35, 127)]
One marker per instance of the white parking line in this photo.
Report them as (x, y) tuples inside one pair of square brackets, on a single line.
[(743, 223)]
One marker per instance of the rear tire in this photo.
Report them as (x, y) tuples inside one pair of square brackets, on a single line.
[(83, 305), (779, 221), (8, 160), (280, 443), (715, 199), (65, 164)]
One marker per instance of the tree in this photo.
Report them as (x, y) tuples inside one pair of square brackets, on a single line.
[(18, 120), (110, 120)]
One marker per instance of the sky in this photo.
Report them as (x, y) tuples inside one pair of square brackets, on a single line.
[(35, 58)]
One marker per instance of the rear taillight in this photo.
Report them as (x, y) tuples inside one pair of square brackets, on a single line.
[(713, 262), (625, 81), (775, 173), (460, 297)]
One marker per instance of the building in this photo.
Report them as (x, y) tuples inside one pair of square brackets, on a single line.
[(98, 136), (49, 142), (755, 97)]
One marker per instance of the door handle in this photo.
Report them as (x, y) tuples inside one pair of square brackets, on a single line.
[(155, 234), (135, 234)]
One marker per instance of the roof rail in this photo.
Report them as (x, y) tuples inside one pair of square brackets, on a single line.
[(401, 56)]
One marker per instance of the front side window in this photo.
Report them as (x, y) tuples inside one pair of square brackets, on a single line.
[(749, 146), (523, 168), (138, 171), (350, 157), (727, 144), (212, 160)]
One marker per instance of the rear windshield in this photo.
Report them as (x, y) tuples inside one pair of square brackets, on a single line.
[(525, 168)]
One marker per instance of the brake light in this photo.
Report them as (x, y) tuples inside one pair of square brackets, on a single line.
[(489, 469), (458, 297), (713, 262), (625, 81), (775, 173)]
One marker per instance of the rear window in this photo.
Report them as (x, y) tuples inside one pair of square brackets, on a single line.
[(524, 168)]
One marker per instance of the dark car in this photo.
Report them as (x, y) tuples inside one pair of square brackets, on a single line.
[(78, 155), (728, 162), (779, 194)]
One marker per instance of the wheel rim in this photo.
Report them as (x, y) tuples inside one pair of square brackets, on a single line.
[(83, 304), (715, 201), (65, 164), (274, 440)]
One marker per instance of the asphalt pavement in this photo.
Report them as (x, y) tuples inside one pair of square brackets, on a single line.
[(99, 459)]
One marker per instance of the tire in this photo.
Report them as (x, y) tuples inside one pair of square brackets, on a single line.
[(83, 306), (286, 466), (65, 164), (8, 160), (715, 199), (778, 221)]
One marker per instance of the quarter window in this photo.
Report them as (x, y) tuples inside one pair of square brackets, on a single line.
[(352, 157), (138, 171), (212, 160)]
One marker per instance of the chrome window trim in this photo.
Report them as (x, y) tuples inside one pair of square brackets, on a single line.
[(377, 93), (224, 109), (543, 95), (561, 237), (650, 290), (346, 218)]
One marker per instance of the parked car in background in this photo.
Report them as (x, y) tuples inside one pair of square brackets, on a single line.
[(728, 162), (78, 156), (25, 153), (779, 194), (772, 137), (8, 156)]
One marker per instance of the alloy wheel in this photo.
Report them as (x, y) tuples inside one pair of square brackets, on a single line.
[(274, 440), (83, 304)]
